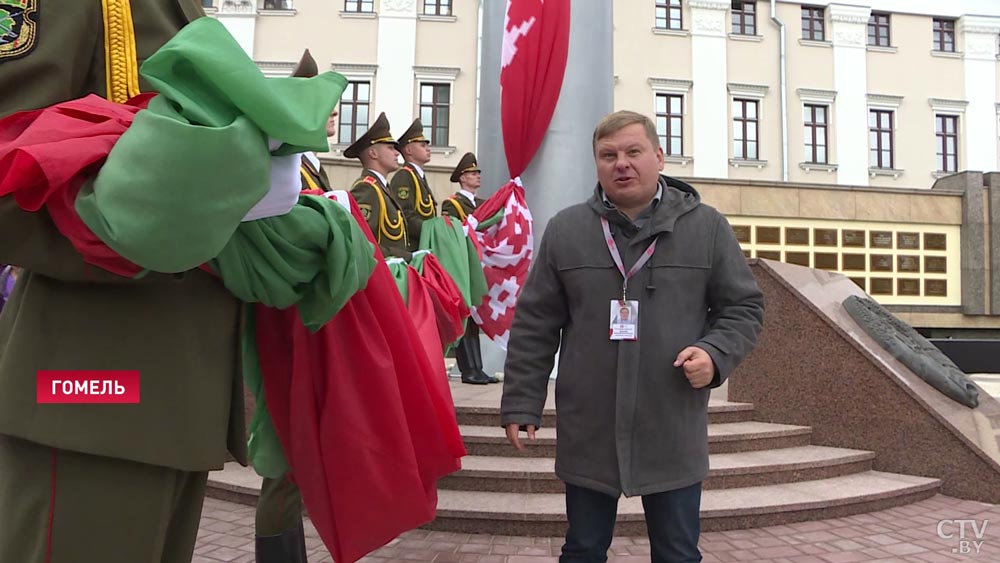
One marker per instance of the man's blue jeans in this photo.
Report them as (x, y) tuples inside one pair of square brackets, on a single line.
[(672, 520)]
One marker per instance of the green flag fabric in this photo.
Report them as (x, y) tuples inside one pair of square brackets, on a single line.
[(178, 183), (446, 239)]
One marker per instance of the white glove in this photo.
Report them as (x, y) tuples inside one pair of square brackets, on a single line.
[(286, 183)]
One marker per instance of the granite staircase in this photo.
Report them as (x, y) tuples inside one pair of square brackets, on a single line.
[(761, 474)]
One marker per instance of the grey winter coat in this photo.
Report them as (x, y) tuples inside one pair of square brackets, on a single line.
[(627, 420)]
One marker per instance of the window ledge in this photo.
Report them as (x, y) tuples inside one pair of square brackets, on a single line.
[(873, 172), (682, 160), (358, 15), (747, 163), (434, 18), (209, 10), (285, 13), (942, 174), (673, 32), (946, 54), (750, 38), (814, 43), (810, 166), (878, 49), (445, 151)]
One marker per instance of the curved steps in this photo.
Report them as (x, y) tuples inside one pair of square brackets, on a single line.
[(541, 514)]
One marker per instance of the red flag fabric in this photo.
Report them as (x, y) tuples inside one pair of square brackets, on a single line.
[(46, 155), (367, 424), (506, 249), (533, 62), (448, 302)]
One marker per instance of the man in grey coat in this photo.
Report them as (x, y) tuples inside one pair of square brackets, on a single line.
[(631, 399)]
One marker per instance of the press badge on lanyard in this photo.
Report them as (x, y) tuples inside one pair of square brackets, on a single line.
[(624, 323)]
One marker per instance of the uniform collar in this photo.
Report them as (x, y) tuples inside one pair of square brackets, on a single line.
[(420, 171), (468, 195), (379, 176)]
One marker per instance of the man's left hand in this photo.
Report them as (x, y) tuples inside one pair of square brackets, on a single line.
[(698, 366)]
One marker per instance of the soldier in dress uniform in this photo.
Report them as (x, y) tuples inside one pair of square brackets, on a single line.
[(100, 483), (313, 175), (409, 184), (460, 205), (376, 150)]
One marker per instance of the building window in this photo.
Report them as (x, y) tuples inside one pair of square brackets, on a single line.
[(946, 130), (813, 23), (437, 7), (745, 133), (668, 14), (880, 138), (670, 123), (276, 4), (744, 17), (207, 3), (359, 6), (944, 35), (435, 110), (816, 120), (354, 111), (878, 29)]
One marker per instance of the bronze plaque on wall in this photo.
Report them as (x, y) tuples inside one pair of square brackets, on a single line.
[(935, 241), (854, 238), (742, 233), (768, 235), (799, 237), (935, 264), (825, 237), (881, 286), (854, 262), (769, 254), (907, 287), (825, 260), (936, 288), (908, 241), (881, 239), (860, 282), (799, 258), (908, 263), (881, 263)]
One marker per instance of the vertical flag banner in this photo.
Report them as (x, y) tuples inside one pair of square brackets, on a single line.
[(533, 62)]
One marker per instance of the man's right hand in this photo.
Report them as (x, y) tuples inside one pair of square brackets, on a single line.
[(512, 431)]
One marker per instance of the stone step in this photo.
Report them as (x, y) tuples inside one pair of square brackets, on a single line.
[(743, 469), (480, 415), (540, 514), (729, 437)]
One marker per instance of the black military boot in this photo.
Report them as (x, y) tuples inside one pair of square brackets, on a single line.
[(477, 353), (286, 547)]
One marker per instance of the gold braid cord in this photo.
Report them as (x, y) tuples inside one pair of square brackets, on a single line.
[(461, 212), (386, 227), (424, 207), (121, 65)]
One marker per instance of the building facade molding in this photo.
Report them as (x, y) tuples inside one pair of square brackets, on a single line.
[(756, 91), (669, 85), (884, 101), (811, 95), (356, 71), (436, 73), (840, 13), (941, 105), (275, 69)]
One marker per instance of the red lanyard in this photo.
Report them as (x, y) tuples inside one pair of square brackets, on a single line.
[(617, 257)]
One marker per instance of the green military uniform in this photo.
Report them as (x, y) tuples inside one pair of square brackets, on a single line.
[(467, 353), (88, 483), (380, 207), (411, 189)]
